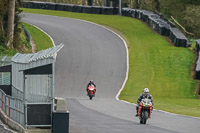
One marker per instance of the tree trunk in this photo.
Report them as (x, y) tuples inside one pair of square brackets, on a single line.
[(136, 4), (90, 2), (11, 18), (157, 6)]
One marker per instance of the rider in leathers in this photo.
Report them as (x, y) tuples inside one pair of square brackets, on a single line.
[(142, 96), (91, 83)]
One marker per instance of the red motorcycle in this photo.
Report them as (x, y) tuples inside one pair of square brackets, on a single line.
[(91, 91), (144, 111)]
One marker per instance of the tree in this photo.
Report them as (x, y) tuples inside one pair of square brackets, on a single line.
[(11, 20), (136, 4), (157, 5)]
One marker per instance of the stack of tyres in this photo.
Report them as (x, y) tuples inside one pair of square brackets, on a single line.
[(75, 8), (107, 10), (197, 73), (115, 10), (146, 15), (177, 37), (34, 5), (60, 7), (68, 7), (96, 9), (133, 13), (87, 9), (164, 29), (152, 21), (197, 48), (125, 12), (41, 5), (79, 8), (50, 6), (140, 14)]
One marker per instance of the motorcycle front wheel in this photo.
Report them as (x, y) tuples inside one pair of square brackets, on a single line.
[(90, 98), (145, 117)]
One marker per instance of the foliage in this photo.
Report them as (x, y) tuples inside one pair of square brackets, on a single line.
[(77, 2), (186, 12), (4, 21), (5, 51)]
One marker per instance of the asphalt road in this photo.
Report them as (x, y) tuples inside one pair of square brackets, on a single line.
[(93, 52)]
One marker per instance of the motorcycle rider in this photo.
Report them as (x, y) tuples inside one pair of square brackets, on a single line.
[(142, 96), (89, 84)]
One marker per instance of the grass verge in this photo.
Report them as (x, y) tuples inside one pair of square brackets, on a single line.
[(153, 63), (40, 38)]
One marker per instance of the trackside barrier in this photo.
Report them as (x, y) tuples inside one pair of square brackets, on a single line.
[(159, 24), (197, 70), (71, 7), (12, 107), (197, 48)]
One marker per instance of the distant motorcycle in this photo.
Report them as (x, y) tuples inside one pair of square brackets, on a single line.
[(144, 111), (91, 91)]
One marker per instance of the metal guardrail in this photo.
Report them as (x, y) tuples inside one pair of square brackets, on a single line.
[(28, 35)]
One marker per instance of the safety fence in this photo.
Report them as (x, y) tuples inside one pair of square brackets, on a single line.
[(71, 7), (12, 107), (159, 24)]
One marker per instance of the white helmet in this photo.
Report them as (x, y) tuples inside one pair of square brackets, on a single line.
[(146, 90)]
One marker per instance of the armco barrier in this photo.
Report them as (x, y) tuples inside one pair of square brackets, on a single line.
[(71, 8)]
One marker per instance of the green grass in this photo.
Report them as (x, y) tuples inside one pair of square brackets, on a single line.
[(153, 63), (41, 39), (4, 51)]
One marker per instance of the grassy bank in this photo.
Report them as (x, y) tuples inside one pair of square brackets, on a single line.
[(41, 40), (153, 63)]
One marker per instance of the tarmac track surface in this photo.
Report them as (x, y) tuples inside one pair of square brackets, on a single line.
[(93, 52)]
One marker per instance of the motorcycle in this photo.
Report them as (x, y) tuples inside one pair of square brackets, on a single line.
[(144, 111), (91, 91)]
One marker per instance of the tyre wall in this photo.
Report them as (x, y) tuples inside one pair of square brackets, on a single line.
[(159, 24), (71, 8)]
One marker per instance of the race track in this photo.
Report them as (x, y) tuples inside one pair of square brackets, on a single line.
[(93, 52)]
